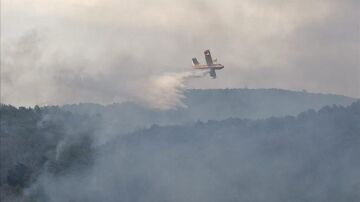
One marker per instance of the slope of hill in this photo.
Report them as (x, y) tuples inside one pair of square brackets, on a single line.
[(204, 105), (218, 104), (310, 157), (48, 154)]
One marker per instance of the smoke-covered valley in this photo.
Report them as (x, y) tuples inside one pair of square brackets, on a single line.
[(220, 145), (204, 105)]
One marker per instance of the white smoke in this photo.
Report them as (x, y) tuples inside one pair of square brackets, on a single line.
[(166, 91), (68, 76)]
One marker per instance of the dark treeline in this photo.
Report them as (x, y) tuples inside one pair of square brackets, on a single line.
[(57, 154)]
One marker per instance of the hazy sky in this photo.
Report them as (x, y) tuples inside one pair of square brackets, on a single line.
[(68, 51)]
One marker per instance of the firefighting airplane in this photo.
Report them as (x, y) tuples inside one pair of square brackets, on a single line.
[(210, 64)]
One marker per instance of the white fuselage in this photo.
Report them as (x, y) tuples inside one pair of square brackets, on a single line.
[(213, 66)]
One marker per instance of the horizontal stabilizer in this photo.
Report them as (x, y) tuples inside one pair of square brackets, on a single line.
[(195, 61)]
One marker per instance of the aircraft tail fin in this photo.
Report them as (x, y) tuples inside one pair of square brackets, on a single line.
[(195, 62)]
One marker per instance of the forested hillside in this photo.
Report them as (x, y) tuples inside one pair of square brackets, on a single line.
[(309, 157), (50, 154)]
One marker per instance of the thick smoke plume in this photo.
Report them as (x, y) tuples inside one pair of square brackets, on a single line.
[(167, 90), (75, 75), (90, 52)]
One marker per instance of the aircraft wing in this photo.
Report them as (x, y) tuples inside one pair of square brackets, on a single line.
[(208, 58)]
